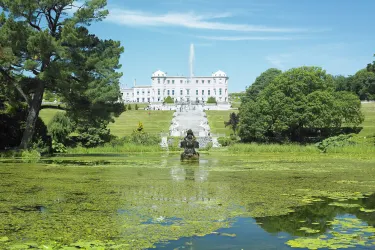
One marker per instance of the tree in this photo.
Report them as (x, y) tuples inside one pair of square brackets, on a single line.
[(363, 84), (211, 99), (43, 47), (168, 99), (299, 103), (260, 83), (341, 83), (233, 122)]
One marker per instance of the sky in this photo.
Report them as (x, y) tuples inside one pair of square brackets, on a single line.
[(243, 38)]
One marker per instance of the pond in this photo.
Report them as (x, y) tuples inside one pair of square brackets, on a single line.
[(143, 201)]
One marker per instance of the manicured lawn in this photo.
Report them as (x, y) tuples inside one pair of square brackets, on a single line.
[(368, 110), (48, 114), (158, 121), (155, 122), (216, 120)]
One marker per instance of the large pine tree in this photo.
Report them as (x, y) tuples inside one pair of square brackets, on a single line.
[(46, 45)]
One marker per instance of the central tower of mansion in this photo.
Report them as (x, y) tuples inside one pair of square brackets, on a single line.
[(180, 88)]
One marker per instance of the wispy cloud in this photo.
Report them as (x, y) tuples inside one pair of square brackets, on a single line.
[(190, 20), (250, 38)]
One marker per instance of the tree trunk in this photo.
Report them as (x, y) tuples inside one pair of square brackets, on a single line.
[(32, 116)]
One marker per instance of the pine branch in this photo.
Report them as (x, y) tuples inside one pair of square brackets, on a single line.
[(10, 79)]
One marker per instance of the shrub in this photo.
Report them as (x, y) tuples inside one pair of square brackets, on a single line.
[(211, 99), (225, 141), (60, 127), (139, 136), (168, 99), (93, 136), (335, 141), (136, 107), (144, 138), (30, 156), (129, 107), (207, 147)]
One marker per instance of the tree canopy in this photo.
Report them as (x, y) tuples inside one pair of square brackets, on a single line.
[(298, 103), (46, 46), (260, 83)]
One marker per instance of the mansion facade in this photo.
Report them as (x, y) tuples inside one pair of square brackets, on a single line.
[(180, 88)]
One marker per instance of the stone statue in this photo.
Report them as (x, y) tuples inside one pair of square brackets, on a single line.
[(189, 144)]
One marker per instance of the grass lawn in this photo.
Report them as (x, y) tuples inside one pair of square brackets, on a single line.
[(236, 104), (154, 123), (368, 110), (158, 121), (216, 120), (48, 114)]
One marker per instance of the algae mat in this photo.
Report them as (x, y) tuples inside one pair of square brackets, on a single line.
[(141, 201)]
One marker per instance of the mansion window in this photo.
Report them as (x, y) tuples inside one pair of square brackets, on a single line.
[(180, 81), (158, 80), (202, 92), (137, 99), (168, 91), (188, 91), (148, 92), (219, 91), (202, 81), (137, 92), (143, 92), (209, 92), (209, 81), (172, 92), (172, 81), (168, 81), (158, 91), (196, 92), (196, 81), (181, 92)]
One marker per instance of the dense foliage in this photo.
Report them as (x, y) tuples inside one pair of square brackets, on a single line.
[(211, 99), (12, 126), (298, 104), (361, 83), (46, 47), (168, 99), (260, 83)]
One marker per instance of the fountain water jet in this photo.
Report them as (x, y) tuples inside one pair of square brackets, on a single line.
[(191, 61)]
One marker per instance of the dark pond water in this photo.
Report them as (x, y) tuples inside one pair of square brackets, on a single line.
[(320, 221), (220, 202)]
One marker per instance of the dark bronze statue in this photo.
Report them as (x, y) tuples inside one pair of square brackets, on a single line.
[(189, 144)]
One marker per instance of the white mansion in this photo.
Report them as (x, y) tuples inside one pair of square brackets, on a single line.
[(180, 88)]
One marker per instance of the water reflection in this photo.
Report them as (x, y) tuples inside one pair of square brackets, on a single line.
[(352, 217), (186, 171), (318, 216)]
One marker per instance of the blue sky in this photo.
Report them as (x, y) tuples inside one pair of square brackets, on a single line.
[(241, 37)]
